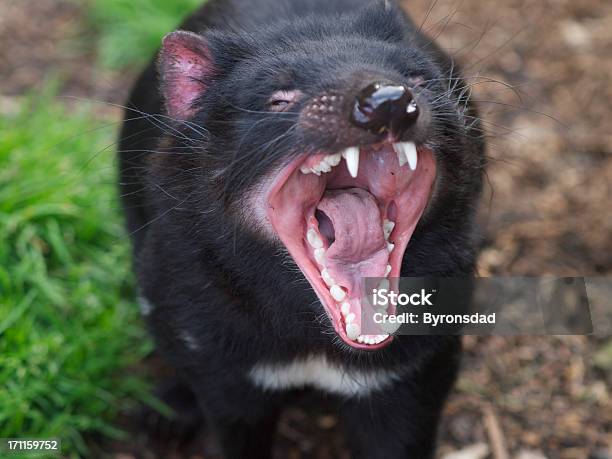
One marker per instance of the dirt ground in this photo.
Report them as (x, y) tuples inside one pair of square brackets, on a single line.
[(541, 71)]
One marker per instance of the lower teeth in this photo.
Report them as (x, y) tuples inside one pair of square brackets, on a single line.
[(372, 339), (353, 330)]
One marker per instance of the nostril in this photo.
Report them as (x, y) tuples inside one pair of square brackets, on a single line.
[(384, 107)]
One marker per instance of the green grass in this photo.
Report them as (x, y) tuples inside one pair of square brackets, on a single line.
[(70, 335), (69, 327), (131, 30)]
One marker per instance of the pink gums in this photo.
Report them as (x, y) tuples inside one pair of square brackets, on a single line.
[(357, 208)]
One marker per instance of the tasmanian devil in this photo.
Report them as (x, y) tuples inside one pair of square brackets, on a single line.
[(274, 154)]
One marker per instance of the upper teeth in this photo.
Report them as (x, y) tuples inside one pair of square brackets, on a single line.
[(406, 153), (351, 155), (334, 160), (324, 166)]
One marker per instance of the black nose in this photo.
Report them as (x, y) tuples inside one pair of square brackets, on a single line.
[(383, 108)]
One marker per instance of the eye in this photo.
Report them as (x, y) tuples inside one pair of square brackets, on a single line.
[(281, 101), (279, 105)]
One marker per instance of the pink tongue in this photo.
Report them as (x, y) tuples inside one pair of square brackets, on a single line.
[(359, 249)]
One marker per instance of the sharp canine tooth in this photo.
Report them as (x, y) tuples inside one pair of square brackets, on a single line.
[(313, 239), (388, 227), (353, 331), (334, 160), (319, 255), (411, 154), (345, 309), (350, 318), (351, 155), (327, 278), (337, 293), (401, 153), (384, 284)]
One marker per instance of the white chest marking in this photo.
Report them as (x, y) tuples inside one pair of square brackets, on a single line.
[(317, 372)]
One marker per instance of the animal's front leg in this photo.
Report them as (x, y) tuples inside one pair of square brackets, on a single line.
[(243, 418), (400, 421)]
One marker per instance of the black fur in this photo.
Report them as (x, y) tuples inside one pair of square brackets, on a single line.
[(212, 274)]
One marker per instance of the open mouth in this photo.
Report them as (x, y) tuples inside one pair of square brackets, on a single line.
[(347, 216)]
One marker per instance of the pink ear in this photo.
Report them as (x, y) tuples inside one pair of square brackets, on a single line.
[(185, 66)]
